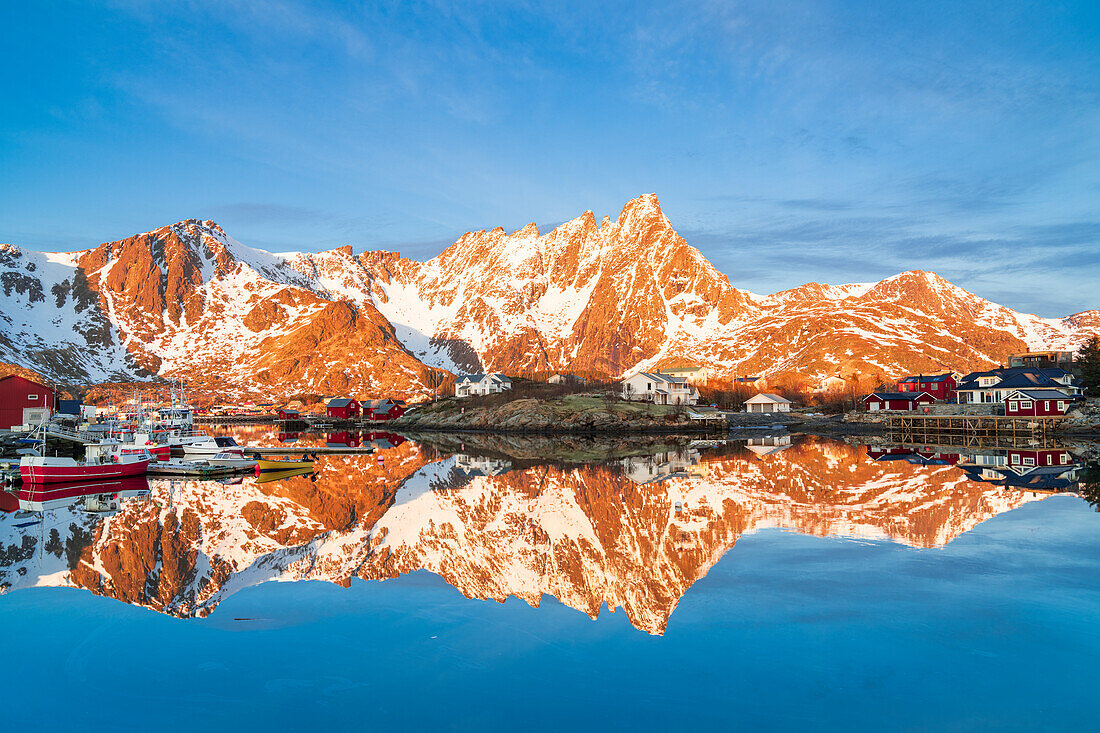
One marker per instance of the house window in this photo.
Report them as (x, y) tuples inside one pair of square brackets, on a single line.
[(1065, 458), (1015, 459), (1029, 461), (648, 386), (1012, 405), (1025, 404), (32, 397), (1061, 406), (1046, 404)]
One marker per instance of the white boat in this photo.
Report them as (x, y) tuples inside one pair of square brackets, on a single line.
[(212, 446), (230, 460)]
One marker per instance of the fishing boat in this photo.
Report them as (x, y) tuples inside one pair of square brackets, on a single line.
[(263, 464), (107, 459)]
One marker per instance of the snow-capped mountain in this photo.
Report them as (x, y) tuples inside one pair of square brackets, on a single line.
[(587, 535), (609, 296)]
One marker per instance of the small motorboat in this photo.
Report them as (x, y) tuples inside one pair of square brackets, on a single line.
[(263, 464), (234, 461)]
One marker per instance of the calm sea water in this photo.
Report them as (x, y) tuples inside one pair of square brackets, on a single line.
[(542, 585)]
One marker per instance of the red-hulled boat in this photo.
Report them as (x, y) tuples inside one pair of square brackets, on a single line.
[(105, 460)]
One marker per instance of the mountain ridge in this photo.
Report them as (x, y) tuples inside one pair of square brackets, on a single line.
[(612, 297)]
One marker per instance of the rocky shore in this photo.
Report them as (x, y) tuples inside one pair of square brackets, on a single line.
[(586, 415)]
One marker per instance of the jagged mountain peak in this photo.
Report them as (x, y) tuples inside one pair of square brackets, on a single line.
[(643, 208)]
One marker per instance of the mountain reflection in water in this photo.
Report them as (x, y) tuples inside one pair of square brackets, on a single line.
[(634, 530)]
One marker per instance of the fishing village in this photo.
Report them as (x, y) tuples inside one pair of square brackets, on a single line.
[(51, 440)]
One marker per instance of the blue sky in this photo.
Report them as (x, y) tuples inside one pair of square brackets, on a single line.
[(789, 141)]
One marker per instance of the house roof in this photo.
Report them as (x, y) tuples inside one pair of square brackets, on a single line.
[(1016, 377), (924, 378), (31, 381), (481, 377), (768, 397), (908, 396), (340, 402), (1040, 394)]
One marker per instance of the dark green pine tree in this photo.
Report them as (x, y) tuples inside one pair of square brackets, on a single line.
[(1087, 360)]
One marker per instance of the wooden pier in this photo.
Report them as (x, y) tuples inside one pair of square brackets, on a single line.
[(319, 450), (972, 430)]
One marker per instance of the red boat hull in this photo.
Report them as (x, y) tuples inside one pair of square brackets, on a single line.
[(58, 474)]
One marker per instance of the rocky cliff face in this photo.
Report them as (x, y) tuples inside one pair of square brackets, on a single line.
[(608, 296), (187, 300), (587, 535)]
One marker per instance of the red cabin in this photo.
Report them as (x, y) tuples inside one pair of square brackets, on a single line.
[(288, 414), (342, 408), (940, 386), (905, 401), (383, 409), (18, 394), (1037, 403)]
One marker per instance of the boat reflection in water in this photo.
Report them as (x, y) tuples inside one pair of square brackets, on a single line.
[(633, 530), (99, 497), (266, 477)]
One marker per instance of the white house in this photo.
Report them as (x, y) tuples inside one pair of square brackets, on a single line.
[(694, 374), (660, 389), (765, 402), (481, 384), (829, 384)]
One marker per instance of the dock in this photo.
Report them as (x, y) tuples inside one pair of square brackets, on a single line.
[(320, 450), (972, 430)]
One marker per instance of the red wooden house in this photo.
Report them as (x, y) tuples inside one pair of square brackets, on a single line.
[(1037, 403), (288, 414), (342, 408), (940, 386), (1025, 459), (383, 409), (17, 394), (905, 401)]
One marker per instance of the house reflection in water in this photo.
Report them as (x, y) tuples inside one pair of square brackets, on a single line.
[(1039, 469), (1047, 469), (662, 466), (768, 445), (922, 456), (481, 465)]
